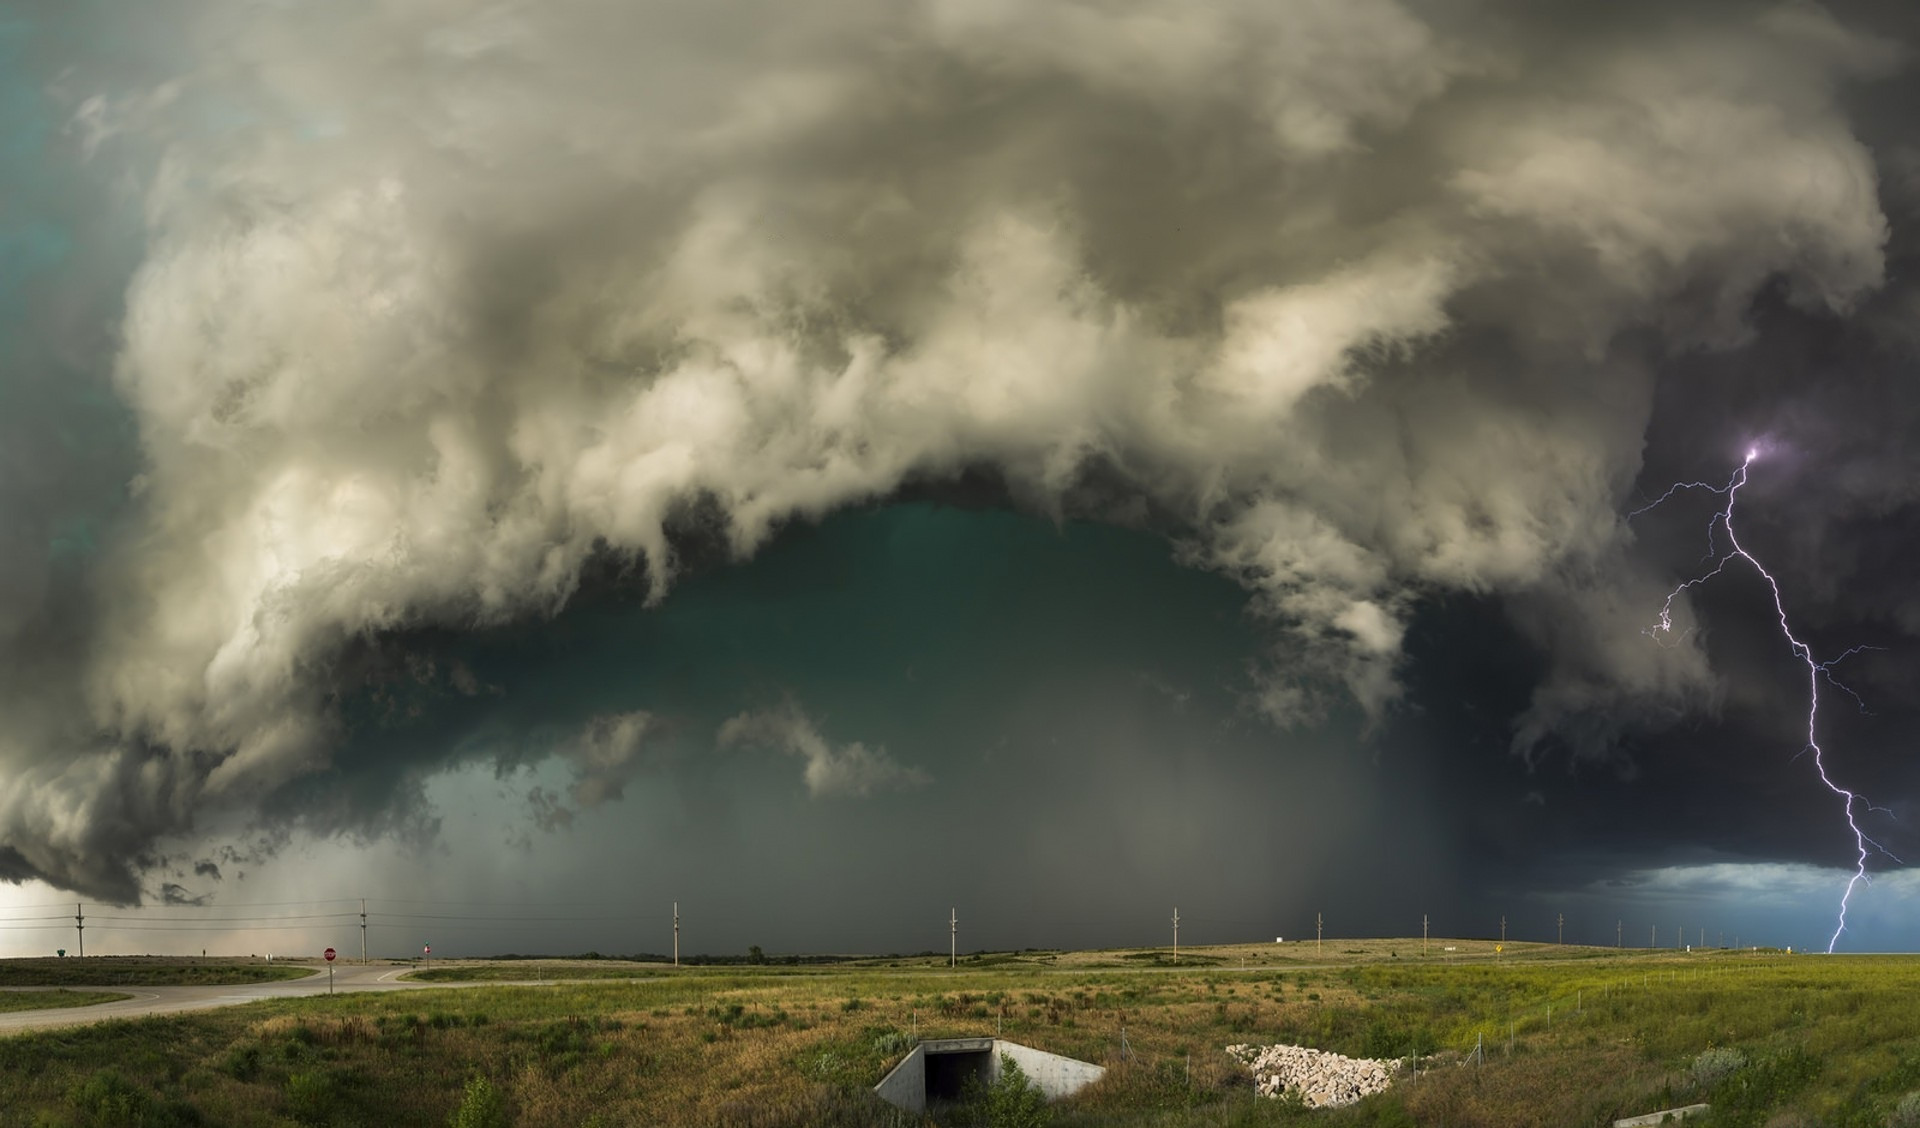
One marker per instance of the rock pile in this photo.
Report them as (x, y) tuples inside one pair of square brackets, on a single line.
[(1318, 1078)]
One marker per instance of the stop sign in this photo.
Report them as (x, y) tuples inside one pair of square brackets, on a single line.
[(329, 955)]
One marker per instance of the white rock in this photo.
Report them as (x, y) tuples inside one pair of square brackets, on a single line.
[(1320, 1079)]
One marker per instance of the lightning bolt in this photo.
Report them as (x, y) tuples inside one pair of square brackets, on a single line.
[(1817, 671)]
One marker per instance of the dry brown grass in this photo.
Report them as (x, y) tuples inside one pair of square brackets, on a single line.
[(768, 1048)]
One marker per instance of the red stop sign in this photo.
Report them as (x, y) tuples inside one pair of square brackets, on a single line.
[(329, 955)]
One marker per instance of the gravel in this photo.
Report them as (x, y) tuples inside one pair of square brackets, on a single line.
[(1318, 1078)]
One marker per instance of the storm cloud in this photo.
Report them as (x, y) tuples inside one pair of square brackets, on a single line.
[(444, 309)]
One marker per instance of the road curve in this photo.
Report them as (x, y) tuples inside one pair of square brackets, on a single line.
[(177, 1000)]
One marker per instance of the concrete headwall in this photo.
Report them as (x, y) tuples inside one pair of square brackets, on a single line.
[(905, 1086), (1052, 1074)]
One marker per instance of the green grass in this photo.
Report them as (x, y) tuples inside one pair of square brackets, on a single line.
[(1805, 1040), (139, 971), (531, 971), (48, 1000)]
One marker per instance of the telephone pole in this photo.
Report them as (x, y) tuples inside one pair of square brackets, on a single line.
[(1503, 930), (676, 934), (1423, 934), (953, 937), (80, 930), (1316, 935), (363, 930), (1176, 934), (1562, 923), (1618, 926), (1653, 933)]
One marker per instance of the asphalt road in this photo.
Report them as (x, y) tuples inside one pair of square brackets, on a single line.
[(176, 1000)]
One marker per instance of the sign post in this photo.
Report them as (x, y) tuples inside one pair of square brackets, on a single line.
[(329, 955)]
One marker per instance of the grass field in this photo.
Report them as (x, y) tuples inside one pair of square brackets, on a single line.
[(45, 1000), (1570, 1037), (141, 971)]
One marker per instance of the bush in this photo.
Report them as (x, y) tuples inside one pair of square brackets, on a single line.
[(310, 1096), (1906, 1114), (481, 1107), (242, 1062), (1715, 1066), (112, 1099), (1011, 1101)]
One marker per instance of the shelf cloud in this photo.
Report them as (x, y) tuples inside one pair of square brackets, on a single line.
[(442, 310)]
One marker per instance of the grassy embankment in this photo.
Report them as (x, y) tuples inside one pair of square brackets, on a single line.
[(1816, 1040), (45, 1000), (141, 971)]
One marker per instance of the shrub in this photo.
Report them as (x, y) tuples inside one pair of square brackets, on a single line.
[(310, 1096), (1906, 1114), (481, 1107), (111, 1099), (1010, 1101), (1715, 1066), (242, 1062)]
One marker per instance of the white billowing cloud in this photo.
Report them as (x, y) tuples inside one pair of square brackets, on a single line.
[(849, 770), (473, 291), (605, 756), (600, 758)]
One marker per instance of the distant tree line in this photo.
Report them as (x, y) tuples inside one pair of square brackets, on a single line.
[(753, 956)]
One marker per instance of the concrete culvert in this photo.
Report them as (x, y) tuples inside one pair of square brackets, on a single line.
[(949, 1071), (938, 1070)]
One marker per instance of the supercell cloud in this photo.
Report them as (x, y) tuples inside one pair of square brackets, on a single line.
[(440, 314)]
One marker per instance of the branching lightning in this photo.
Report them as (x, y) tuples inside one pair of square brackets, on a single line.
[(1817, 671)]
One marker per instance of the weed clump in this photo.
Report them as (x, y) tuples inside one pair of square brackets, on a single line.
[(242, 1062), (480, 1107), (108, 1098), (1906, 1114), (311, 1096), (1009, 1101), (1716, 1065)]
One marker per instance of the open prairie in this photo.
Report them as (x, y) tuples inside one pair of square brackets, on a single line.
[(1566, 1036)]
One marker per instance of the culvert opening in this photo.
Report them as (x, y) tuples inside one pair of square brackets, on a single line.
[(941, 1071), (949, 1071)]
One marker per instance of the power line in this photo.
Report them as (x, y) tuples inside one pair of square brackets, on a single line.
[(228, 919)]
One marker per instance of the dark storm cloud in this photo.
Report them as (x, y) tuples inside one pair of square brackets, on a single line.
[(443, 305), (175, 894)]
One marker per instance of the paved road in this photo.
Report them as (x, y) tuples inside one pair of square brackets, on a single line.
[(175, 1000), (386, 977)]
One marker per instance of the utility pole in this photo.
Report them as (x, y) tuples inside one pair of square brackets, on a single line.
[(1618, 925), (953, 937), (1653, 933), (1176, 934), (676, 934), (1562, 923), (80, 930), (1703, 937), (1316, 935), (1503, 930), (363, 930), (1423, 934)]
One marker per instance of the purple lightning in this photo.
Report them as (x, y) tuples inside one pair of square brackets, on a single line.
[(1816, 670)]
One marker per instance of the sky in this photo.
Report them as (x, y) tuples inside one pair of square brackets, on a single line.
[(528, 466)]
